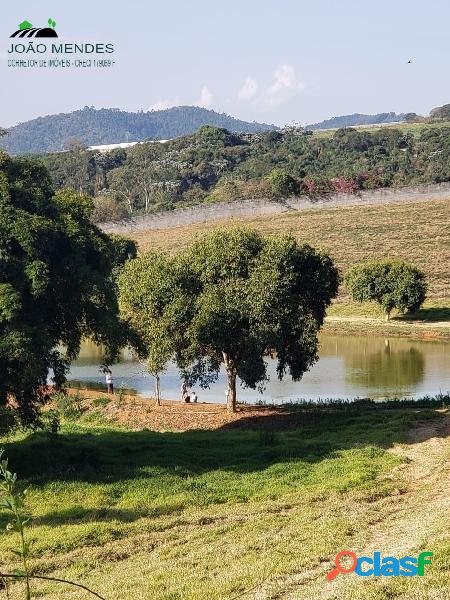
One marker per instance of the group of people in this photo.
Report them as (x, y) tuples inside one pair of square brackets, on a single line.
[(185, 395)]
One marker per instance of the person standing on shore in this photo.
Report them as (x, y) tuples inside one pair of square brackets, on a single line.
[(109, 382), (184, 391)]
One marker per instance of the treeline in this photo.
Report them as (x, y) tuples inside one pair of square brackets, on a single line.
[(215, 165), (437, 115), (357, 119), (92, 127)]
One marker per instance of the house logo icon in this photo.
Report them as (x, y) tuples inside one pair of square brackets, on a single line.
[(26, 30)]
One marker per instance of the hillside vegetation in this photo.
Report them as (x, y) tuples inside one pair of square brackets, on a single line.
[(357, 119), (91, 127), (216, 165)]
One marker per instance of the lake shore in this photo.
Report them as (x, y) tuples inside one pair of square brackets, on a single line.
[(367, 326), (138, 413)]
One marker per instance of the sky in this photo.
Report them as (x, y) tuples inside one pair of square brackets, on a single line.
[(275, 61)]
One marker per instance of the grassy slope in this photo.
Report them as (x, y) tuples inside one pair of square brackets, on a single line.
[(411, 128), (206, 515), (418, 232)]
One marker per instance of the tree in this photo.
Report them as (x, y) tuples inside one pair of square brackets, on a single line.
[(57, 283), (231, 298), (441, 113), (281, 183), (107, 208), (146, 287), (391, 283)]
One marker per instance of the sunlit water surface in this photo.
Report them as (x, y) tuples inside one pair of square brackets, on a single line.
[(348, 367)]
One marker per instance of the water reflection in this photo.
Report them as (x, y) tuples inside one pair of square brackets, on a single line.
[(386, 369), (348, 367)]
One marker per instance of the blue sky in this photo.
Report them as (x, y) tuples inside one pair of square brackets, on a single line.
[(269, 60)]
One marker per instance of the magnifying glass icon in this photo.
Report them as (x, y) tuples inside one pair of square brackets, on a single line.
[(339, 568)]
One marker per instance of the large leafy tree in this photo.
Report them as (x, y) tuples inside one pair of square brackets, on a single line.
[(57, 282), (232, 297), (393, 283)]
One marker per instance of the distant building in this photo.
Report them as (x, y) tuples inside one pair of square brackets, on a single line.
[(109, 147)]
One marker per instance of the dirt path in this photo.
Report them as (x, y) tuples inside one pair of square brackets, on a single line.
[(419, 513), (368, 320)]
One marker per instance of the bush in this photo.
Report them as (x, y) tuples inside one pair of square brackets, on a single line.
[(70, 407), (281, 183), (108, 209), (101, 401), (391, 283), (9, 420), (50, 422)]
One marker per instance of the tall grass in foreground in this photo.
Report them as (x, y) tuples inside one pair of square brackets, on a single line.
[(13, 499)]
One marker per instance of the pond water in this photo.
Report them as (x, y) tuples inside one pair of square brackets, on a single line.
[(348, 367)]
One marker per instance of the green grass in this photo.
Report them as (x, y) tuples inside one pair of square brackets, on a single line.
[(432, 311), (432, 321), (202, 514)]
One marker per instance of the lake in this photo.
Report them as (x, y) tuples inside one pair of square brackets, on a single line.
[(348, 367)]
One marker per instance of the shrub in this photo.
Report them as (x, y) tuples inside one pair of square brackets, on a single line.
[(281, 183), (70, 407), (9, 420), (391, 283), (107, 208), (101, 401)]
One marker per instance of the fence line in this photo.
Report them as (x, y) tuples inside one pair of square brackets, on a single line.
[(244, 208)]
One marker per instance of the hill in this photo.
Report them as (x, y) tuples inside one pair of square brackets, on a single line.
[(132, 512), (418, 232), (358, 119), (214, 165), (110, 126)]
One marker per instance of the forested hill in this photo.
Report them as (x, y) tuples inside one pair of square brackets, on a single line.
[(358, 119), (214, 165), (111, 126)]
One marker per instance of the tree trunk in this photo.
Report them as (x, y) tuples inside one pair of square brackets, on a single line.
[(157, 390), (231, 391)]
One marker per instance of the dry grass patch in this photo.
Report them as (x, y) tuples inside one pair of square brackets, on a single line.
[(418, 232)]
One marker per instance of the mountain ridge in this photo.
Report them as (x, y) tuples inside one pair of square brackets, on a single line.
[(92, 126), (357, 119)]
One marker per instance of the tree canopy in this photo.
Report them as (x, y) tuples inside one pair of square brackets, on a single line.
[(56, 282), (392, 283), (232, 297), (91, 126), (215, 165)]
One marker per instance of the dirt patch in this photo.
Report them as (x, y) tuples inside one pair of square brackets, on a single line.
[(142, 413)]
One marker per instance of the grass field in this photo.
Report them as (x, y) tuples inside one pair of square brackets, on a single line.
[(418, 232), (205, 515), (414, 129)]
